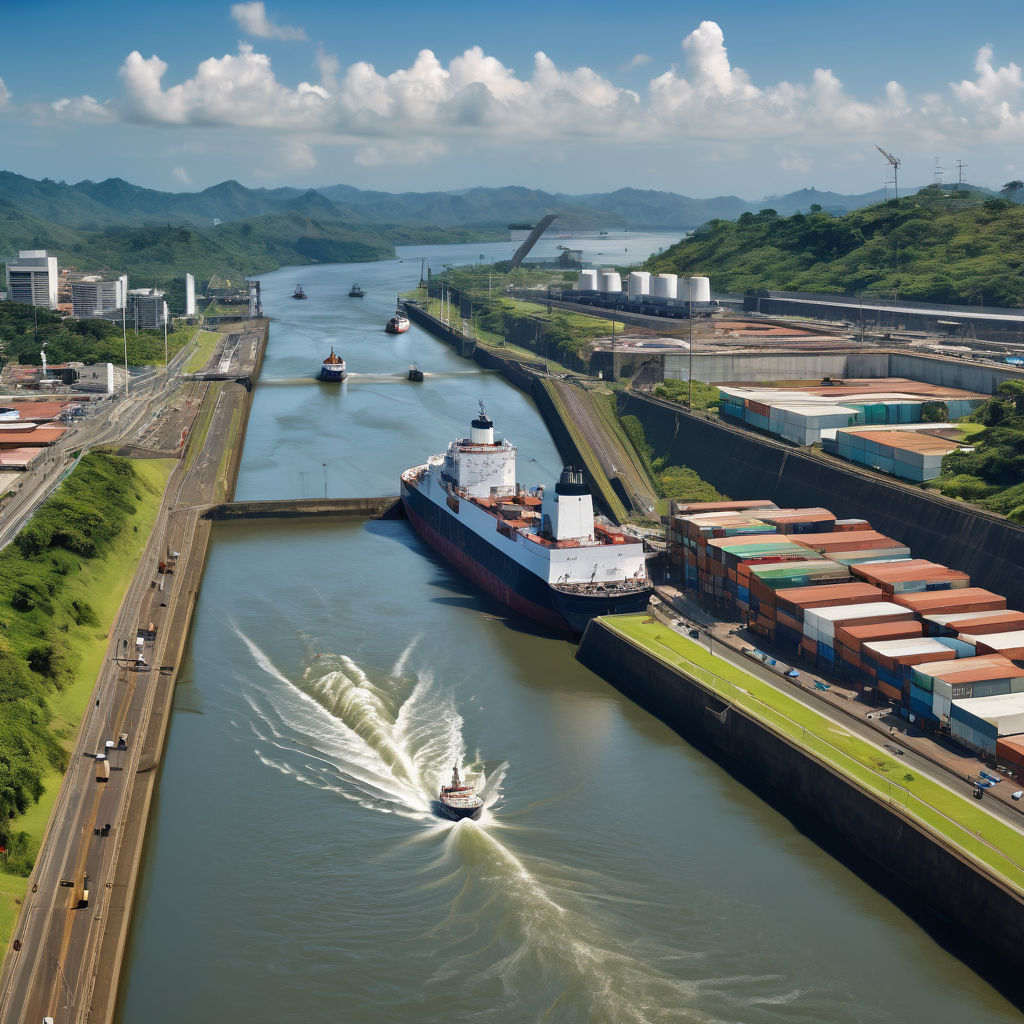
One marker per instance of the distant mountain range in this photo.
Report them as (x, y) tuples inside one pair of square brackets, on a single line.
[(231, 229)]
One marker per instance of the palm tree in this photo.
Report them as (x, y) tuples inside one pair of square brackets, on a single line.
[(1011, 188)]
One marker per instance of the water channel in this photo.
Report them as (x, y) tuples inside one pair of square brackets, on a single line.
[(294, 871)]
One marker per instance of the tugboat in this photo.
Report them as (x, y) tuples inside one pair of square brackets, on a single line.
[(333, 369), (458, 800), (299, 293), (415, 373), (398, 324), (355, 292)]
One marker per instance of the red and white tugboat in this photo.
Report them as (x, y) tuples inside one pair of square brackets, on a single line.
[(398, 324), (461, 800)]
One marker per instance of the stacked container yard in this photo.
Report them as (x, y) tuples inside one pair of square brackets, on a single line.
[(934, 686), (909, 455), (818, 642), (768, 581), (785, 617), (981, 722), (851, 663), (887, 664), (853, 603), (853, 546), (911, 576), (689, 535), (725, 571)]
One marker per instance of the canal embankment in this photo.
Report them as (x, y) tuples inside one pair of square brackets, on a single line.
[(954, 868)]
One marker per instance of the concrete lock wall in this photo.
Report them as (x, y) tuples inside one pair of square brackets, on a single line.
[(744, 466), (820, 799), (715, 367)]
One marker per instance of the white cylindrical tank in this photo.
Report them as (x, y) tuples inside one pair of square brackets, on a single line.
[(587, 281), (664, 286), (610, 281), (701, 289), (639, 283)]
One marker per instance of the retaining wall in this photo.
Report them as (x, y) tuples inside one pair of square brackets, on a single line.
[(988, 917), (744, 465)]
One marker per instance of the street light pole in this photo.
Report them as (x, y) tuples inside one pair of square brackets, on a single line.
[(124, 331), (324, 464)]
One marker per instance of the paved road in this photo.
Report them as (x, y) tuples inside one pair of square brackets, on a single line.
[(69, 961)]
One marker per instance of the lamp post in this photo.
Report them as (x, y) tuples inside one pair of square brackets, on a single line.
[(124, 331), (324, 464)]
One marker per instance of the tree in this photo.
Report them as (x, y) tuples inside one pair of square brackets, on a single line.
[(1011, 188)]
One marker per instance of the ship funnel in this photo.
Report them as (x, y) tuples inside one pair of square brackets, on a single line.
[(571, 482), (482, 428)]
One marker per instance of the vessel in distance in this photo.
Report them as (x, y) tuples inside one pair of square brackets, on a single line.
[(299, 293), (542, 554), (355, 292), (461, 799), (398, 324), (333, 369)]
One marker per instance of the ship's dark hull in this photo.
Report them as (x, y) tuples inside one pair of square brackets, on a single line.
[(442, 810), (504, 578)]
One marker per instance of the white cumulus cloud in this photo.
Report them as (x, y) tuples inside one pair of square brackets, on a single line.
[(182, 175), (5, 95), (252, 19), (423, 108)]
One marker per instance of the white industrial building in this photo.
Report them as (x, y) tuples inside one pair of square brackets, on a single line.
[(94, 297), (146, 309), (32, 278)]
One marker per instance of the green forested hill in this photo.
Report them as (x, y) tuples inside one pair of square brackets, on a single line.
[(928, 247)]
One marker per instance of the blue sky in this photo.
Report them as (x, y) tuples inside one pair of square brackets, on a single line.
[(731, 98)]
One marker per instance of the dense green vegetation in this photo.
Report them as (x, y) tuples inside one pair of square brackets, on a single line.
[(703, 396), (80, 522), (993, 474), (938, 247), (680, 483), (24, 329)]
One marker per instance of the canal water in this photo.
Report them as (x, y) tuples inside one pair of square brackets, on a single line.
[(335, 673)]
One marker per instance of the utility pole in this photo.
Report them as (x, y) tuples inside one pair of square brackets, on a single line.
[(124, 331), (689, 372)]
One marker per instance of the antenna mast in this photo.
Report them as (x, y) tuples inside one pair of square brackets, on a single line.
[(895, 162)]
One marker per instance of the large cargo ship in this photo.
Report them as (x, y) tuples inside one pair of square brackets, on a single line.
[(544, 555)]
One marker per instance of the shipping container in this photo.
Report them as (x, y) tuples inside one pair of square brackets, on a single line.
[(967, 599)]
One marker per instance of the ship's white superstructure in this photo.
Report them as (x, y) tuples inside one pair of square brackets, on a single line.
[(528, 547)]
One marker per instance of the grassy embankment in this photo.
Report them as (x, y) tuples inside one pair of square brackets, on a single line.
[(587, 454), (77, 596), (199, 358), (985, 838)]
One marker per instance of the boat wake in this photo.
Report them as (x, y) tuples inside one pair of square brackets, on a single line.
[(549, 941), (385, 745)]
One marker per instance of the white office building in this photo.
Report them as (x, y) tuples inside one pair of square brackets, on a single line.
[(32, 278), (190, 295), (92, 297), (146, 309)]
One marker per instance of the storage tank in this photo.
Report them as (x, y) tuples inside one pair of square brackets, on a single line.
[(701, 287), (639, 283), (664, 286), (610, 281), (587, 281)]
